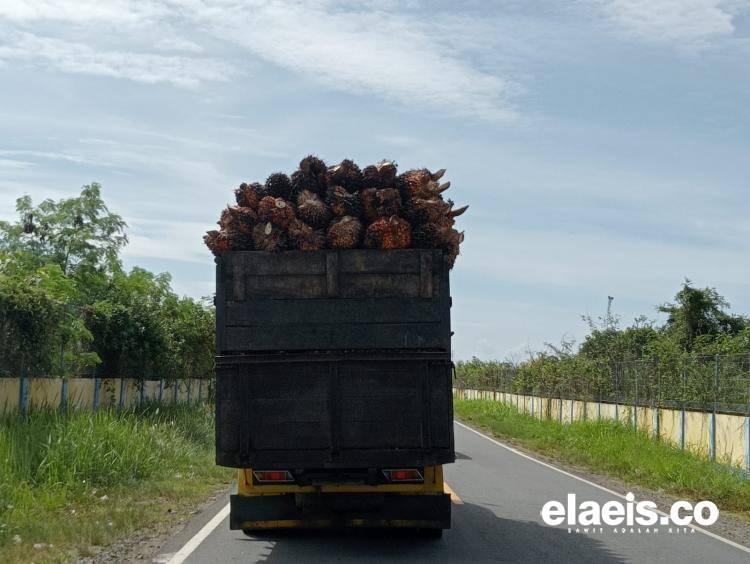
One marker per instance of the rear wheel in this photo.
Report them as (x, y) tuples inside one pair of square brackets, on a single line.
[(430, 533)]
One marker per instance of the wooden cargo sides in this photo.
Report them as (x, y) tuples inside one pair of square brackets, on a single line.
[(332, 300), (329, 410)]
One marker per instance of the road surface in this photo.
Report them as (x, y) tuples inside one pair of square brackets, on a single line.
[(499, 494)]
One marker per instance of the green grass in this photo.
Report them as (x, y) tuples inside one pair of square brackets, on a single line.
[(79, 480), (617, 450)]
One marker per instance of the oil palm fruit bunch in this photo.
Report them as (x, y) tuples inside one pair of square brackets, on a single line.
[(344, 233), (312, 210), (342, 203), (316, 170), (421, 183), (238, 219), (347, 175), (304, 237), (269, 237), (250, 195), (388, 233), (431, 211), (381, 175), (452, 246), (380, 202), (441, 235), (276, 210), (217, 242), (279, 185)]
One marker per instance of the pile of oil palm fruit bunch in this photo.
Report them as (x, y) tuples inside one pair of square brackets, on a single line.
[(341, 207)]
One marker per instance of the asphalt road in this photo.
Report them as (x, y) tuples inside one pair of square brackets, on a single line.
[(497, 520)]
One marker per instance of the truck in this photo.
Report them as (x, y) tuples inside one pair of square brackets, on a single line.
[(334, 388)]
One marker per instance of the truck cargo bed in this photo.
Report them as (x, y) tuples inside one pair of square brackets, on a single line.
[(332, 300), (334, 410)]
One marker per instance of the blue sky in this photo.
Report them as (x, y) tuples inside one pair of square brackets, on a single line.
[(602, 144)]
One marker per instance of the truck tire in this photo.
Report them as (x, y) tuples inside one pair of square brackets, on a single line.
[(430, 533)]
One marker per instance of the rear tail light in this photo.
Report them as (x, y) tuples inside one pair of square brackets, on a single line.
[(272, 476), (403, 475)]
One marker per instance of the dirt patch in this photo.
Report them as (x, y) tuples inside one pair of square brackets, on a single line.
[(142, 545)]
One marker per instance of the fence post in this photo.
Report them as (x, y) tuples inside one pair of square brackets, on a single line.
[(560, 407), (682, 428), (176, 391), (682, 411), (161, 389), (572, 413), (712, 420), (23, 395), (747, 444), (142, 398), (97, 392), (64, 394), (200, 390), (657, 410), (123, 392), (189, 387), (635, 403)]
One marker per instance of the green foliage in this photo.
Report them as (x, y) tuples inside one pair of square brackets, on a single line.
[(80, 478), (40, 325), (698, 312), (73, 233), (674, 363), (66, 305)]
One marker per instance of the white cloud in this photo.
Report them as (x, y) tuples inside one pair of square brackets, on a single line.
[(141, 67), (687, 23), (82, 11), (393, 55), (362, 47)]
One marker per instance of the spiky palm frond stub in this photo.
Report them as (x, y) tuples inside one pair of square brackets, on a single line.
[(312, 210), (347, 175), (269, 237), (344, 233), (343, 203), (276, 210), (279, 185), (388, 233), (305, 238), (250, 195)]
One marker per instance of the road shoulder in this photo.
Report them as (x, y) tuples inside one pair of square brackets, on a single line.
[(730, 525)]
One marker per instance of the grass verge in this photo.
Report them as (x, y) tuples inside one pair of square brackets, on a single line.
[(617, 450), (72, 482)]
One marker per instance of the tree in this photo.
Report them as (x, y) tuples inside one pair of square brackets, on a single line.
[(74, 233), (41, 330), (699, 311)]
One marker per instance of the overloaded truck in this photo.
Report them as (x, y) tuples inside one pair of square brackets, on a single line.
[(333, 387)]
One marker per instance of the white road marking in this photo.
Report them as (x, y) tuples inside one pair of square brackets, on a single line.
[(585, 481), (181, 555)]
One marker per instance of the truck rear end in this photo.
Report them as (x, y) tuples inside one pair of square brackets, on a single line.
[(334, 387)]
